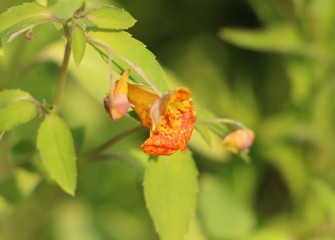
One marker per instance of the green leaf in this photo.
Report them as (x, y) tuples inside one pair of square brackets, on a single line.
[(9, 96), (23, 16), (78, 43), (54, 141), (222, 215), (134, 51), (42, 2), (323, 14), (170, 186), (111, 18), (268, 40), (326, 193), (16, 107), (64, 8), (17, 113)]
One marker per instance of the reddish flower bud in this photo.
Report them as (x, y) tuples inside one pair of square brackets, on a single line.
[(118, 104), (239, 140)]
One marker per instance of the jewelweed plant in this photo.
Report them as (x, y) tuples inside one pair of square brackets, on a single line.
[(169, 115)]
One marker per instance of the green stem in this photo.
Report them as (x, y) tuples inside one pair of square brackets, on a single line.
[(111, 78), (92, 154), (223, 120), (64, 68)]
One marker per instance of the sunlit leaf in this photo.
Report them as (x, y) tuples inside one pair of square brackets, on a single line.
[(9, 96), (16, 107), (170, 186), (111, 18), (56, 147), (23, 16), (268, 40), (134, 51), (42, 2), (195, 231), (78, 43)]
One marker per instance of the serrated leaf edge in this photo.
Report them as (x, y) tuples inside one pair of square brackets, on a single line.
[(90, 17), (5, 31)]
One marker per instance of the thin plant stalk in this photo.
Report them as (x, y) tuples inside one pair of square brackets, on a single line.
[(134, 66), (64, 68)]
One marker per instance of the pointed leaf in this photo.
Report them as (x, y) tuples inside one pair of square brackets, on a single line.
[(16, 107), (22, 16), (269, 40), (136, 52), (111, 18), (56, 147), (170, 186), (78, 43)]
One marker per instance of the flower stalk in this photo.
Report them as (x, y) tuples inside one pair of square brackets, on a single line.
[(224, 121), (64, 68)]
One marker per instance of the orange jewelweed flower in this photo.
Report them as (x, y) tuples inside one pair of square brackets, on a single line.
[(170, 117)]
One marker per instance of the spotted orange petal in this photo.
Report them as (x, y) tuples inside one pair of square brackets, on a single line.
[(175, 126)]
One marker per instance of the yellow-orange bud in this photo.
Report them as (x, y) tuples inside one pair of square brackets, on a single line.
[(118, 104)]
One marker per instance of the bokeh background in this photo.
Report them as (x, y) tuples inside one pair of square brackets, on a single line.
[(269, 64)]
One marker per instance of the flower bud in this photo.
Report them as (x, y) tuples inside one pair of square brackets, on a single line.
[(239, 141), (118, 104)]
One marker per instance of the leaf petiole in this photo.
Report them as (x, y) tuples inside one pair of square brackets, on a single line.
[(130, 63)]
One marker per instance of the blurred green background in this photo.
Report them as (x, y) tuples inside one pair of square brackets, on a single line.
[(269, 64)]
